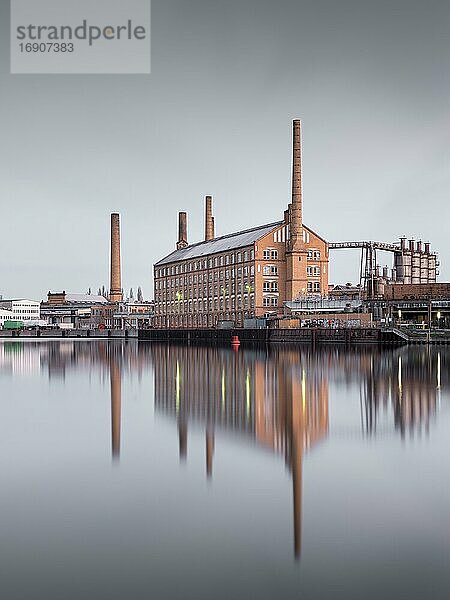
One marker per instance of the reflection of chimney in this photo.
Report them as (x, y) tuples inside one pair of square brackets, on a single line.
[(115, 409), (209, 219), (297, 469), (115, 292), (182, 231), (182, 434), (209, 452), (296, 209)]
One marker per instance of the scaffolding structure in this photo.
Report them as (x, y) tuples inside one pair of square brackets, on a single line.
[(413, 262)]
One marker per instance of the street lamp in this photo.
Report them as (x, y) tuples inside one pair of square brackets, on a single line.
[(399, 315), (179, 297), (438, 318)]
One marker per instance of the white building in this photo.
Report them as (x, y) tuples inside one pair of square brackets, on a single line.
[(5, 315), (22, 309)]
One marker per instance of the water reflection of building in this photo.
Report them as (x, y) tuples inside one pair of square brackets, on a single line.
[(276, 398), (407, 381), (17, 358), (281, 403)]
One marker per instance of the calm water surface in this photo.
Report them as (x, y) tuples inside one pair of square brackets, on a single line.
[(150, 471)]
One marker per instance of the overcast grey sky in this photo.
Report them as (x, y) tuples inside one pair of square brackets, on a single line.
[(370, 81)]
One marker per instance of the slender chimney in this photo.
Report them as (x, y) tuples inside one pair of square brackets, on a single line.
[(296, 240), (115, 292), (427, 247), (209, 219), (182, 231), (213, 227)]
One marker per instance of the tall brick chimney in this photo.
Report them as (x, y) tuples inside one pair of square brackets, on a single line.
[(115, 291), (209, 219), (296, 256), (182, 231), (296, 236)]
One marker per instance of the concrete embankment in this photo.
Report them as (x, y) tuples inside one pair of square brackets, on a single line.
[(264, 336), (311, 336), (69, 334)]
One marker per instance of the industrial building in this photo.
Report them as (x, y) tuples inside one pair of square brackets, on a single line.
[(5, 315), (243, 275), (71, 310), (413, 263), (22, 309)]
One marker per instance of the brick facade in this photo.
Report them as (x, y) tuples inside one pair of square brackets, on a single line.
[(244, 275), (241, 283)]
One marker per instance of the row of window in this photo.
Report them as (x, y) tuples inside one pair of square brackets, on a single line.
[(177, 282), (215, 292), (270, 301), (270, 286), (270, 254), (201, 320), (313, 286), (313, 271), (193, 306), (204, 278), (206, 263), (240, 287)]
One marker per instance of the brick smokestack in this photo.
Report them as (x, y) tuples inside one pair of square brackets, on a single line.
[(209, 219), (296, 237), (115, 291), (182, 231), (296, 256)]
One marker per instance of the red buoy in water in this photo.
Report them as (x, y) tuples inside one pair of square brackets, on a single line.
[(235, 343)]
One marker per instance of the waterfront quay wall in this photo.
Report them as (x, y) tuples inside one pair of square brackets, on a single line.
[(70, 334), (304, 335)]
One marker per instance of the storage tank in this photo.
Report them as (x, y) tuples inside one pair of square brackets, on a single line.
[(432, 272), (415, 265), (399, 266)]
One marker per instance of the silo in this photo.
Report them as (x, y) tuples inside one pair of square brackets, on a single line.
[(415, 261)]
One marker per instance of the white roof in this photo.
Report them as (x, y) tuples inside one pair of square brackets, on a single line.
[(4, 300), (86, 298)]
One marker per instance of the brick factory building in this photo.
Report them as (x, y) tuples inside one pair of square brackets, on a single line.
[(243, 275), (419, 291)]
